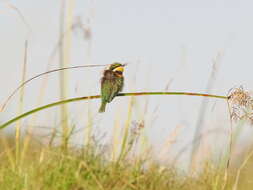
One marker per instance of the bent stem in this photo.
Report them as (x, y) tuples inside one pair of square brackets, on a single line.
[(98, 96), (41, 74)]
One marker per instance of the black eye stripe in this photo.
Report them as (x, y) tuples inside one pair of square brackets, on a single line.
[(119, 72)]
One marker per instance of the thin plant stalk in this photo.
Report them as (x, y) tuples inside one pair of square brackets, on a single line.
[(116, 138), (88, 132), (17, 135), (64, 59), (230, 146), (21, 105), (238, 173), (202, 111), (61, 102), (123, 149)]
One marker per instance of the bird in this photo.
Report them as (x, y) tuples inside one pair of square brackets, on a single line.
[(112, 83)]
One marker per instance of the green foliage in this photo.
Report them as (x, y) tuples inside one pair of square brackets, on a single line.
[(49, 168)]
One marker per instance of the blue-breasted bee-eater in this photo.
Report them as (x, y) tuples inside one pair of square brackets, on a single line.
[(112, 83)]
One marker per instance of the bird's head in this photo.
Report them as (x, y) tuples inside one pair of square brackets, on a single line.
[(118, 68)]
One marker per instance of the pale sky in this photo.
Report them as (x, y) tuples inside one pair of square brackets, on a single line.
[(163, 40)]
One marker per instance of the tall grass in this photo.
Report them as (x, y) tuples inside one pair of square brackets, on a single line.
[(87, 168), (203, 109)]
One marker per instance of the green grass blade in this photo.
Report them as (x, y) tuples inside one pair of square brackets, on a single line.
[(98, 96)]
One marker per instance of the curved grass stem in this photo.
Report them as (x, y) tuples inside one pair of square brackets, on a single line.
[(39, 75), (98, 96)]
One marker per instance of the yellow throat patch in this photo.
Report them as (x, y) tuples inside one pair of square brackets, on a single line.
[(120, 69)]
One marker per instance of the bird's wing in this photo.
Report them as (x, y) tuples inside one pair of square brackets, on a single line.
[(114, 92), (106, 90), (116, 88)]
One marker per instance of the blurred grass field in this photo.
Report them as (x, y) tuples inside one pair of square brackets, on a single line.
[(128, 161), (90, 167)]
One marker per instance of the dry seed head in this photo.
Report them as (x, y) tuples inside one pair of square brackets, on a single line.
[(240, 97), (137, 127), (241, 103)]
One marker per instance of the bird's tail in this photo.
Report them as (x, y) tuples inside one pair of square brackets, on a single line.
[(102, 107)]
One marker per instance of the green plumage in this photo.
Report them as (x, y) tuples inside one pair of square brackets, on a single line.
[(112, 83)]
